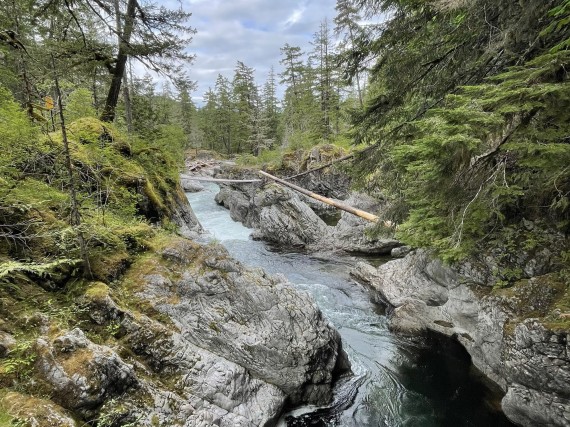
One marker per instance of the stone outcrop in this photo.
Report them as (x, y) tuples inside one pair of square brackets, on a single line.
[(352, 233), (285, 220), (82, 375), (197, 340), (183, 216), (529, 361), (36, 412), (283, 216)]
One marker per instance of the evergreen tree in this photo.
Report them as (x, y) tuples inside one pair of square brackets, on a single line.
[(246, 106), (207, 115), (270, 109), (347, 21), (468, 114), (224, 119), (326, 84)]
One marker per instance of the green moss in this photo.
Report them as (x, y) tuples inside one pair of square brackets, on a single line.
[(22, 408), (546, 298), (214, 327), (97, 291)]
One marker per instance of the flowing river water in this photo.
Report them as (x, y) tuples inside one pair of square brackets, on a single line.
[(421, 382)]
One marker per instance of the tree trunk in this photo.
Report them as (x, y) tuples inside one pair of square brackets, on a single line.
[(126, 95), (120, 67), (75, 216)]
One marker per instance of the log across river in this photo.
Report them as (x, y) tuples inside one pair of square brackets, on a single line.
[(423, 382), (335, 203)]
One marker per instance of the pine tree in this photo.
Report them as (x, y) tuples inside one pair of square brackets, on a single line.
[(270, 112), (245, 99), (472, 139), (224, 119)]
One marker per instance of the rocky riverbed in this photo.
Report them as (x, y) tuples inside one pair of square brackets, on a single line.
[(521, 353), (514, 335), (184, 336), (284, 217)]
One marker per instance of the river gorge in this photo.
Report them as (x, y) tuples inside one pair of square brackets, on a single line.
[(397, 381)]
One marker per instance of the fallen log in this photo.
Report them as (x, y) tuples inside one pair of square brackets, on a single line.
[(339, 205), (229, 181)]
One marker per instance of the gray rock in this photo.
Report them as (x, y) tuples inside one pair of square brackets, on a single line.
[(400, 251), (239, 201), (261, 323), (7, 343), (35, 412), (531, 363), (207, 388), (190, 185), (352, 233), (82, 374), (184, 217), (232, 345), (528, 407), (282, 216), (284, 219)]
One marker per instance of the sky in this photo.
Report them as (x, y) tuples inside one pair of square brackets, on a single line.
[(251, 31)]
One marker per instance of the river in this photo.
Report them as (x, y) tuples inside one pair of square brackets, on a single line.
[(423, 382)]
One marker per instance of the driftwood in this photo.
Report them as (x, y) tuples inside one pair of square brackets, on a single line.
[(229, 181), (339, 205)]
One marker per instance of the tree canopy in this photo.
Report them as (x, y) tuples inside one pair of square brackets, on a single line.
[(467, 117)]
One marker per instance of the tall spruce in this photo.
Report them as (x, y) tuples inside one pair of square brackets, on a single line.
[(468, 117)]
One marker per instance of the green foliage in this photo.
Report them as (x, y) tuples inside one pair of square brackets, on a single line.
[(266, 158), (20, 361), (79, 105), (45, 270), (122, 185), (559, 25), (461, 163), (494, 153), (16, 133)]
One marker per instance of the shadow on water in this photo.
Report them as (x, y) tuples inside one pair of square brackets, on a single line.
[(427, 381), (459, 394)]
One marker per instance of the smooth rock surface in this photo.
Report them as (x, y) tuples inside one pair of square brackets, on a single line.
[(527, 360), (213, 344)]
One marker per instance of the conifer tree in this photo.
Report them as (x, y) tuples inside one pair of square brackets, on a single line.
[(270, 108), (246, 106)]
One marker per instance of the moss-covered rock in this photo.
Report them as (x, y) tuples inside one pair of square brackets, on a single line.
[(34, 411)]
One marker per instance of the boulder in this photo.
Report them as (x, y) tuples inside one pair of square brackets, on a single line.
[(285, 220), (7, 343), (216, 344), (526, 359), (190, 185), (82, 374), (352, 233), (36, 412), (256, 321)]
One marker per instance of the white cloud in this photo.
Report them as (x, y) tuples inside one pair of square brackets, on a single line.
[(251, 31), (295, 16)]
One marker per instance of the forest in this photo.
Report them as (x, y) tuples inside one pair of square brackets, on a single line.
[(454, 113)]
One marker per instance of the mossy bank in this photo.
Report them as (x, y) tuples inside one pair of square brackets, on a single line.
[(149, 328)]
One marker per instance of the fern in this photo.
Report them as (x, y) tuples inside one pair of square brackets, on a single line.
[(41, 270)]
